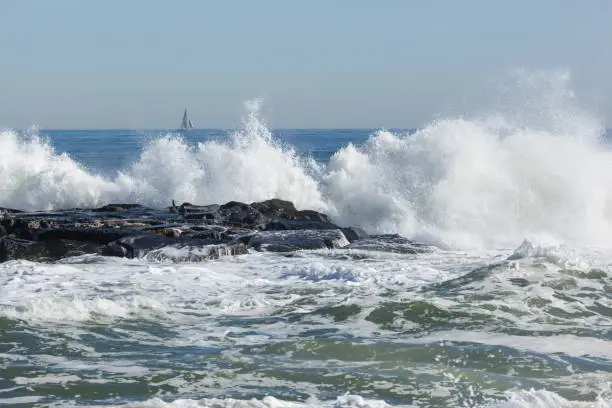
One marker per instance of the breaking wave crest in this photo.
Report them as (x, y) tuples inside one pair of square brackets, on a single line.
[(250, 166), (537, 170)]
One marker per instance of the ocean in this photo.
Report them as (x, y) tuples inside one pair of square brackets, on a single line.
[(509, 306)]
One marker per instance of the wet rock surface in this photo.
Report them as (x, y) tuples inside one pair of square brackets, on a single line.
[(287, 241), (184, 233), (393, 243)]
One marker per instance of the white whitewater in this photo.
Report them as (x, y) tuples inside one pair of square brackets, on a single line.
[(531, 399), (492, 180)]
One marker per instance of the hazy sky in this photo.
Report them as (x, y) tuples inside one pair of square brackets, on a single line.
[(332, 63)]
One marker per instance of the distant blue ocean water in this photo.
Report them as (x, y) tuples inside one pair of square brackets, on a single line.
[(107, 151)]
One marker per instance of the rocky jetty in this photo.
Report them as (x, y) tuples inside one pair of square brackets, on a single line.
[(200, 232)]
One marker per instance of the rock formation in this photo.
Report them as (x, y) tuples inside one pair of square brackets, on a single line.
[(202, 231)]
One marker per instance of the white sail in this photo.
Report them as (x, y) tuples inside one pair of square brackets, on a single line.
[(186, 123)]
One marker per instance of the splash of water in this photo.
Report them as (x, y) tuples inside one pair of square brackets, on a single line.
[(251, 166), (536, 170), (34, 176), (545, 399), (491, 179)]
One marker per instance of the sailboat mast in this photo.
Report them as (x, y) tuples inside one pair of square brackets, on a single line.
[(186, 122)]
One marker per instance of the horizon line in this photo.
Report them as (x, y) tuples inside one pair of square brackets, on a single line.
[(211, 128)]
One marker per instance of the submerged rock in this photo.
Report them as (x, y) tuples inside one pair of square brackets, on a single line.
[(354, 233), (113, 249), (192, 252), (137, 246), (390, 243), (286, 241)]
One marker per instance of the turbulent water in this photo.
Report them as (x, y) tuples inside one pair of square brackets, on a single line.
[(510, 307)]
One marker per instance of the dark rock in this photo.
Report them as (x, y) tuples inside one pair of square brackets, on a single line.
[(207, 234), (21, 228), (102, 235), (117, 207), (252, 216), (113, 249), (182, 206), (286, 241), (187, 208), (138, 245), (15, 248), (201, 232), (47, 224), (219, 228), (311, 215), (214, 232), (275, 208), (242, 215), (25, 229), (390, 243), (203, 217), (9, 210), (62, 248), (155, 226), (354, 233), (237, 234), (257, 215), (170, 232), (286, 225)]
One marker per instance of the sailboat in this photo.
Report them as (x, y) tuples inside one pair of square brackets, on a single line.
[(186, 123)]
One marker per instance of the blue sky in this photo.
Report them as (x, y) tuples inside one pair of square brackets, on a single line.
[(340, 63)]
